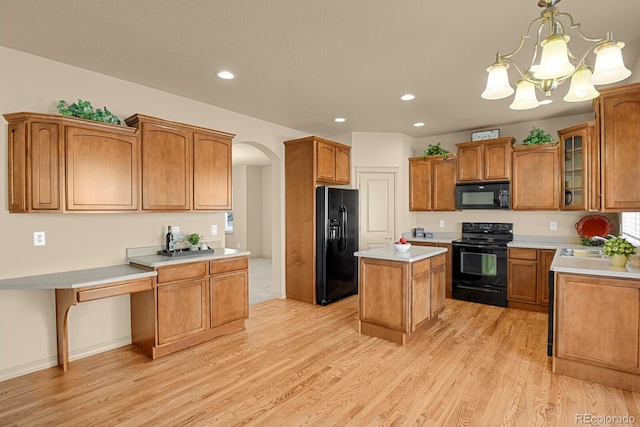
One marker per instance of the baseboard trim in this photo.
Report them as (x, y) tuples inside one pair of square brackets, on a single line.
[(52, 361)]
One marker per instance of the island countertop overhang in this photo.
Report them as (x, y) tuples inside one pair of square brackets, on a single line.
[(389, 253)]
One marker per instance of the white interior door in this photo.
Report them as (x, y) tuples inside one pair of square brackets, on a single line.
[(377, 208)]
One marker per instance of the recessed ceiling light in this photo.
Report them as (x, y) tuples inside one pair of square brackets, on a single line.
[(407, 97), (227, 75), (419, 124), (339, 120)]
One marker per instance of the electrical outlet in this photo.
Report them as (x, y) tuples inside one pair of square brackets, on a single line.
[(238, 245), (442, 223), (553, 226), (175, 229), (214, 230), (38, 238)]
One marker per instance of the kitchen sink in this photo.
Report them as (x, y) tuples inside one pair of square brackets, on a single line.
[(582, 253)]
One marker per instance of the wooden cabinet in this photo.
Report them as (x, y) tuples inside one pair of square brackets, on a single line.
[(527, 282), (309, 162), (575, 177), (618, 123), (229, 291), (449, 263), (182, 310), (63, 164), (432, 183), (191, 303), (333, 160), (399, 299), (101, 169), (35, 163), (184, 167), (485, 160), (597, 329), (536, 178)]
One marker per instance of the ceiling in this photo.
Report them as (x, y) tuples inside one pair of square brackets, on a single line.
[(301, 64)]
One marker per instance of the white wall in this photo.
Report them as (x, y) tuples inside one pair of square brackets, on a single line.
[(377, 149), (254, 210), (267, 219), (238, 238), (78, 241)]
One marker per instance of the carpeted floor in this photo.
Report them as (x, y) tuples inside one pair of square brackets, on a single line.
[(259, 280)]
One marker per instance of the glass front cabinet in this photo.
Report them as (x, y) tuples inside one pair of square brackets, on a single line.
[(575, 143)]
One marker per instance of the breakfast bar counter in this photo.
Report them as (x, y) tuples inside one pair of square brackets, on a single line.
[(401, 293)]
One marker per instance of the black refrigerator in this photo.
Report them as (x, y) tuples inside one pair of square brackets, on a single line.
[(336, 241)]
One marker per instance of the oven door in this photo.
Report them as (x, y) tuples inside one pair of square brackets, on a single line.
[(480, 273)]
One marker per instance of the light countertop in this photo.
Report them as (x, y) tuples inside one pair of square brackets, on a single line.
[(78, 278), (155, 261), (389, 253), (593, 266)]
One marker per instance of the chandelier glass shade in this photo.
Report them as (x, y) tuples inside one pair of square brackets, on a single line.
[(552, 63)]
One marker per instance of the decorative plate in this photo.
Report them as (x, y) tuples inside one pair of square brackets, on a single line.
[(594, 225)]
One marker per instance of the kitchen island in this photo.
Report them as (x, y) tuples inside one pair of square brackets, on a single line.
[(596, 320), (401, 293)]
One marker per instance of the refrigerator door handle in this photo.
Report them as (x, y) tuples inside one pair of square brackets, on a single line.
[(343, 230)]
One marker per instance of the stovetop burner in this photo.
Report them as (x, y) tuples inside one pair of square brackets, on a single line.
[(486, 232)]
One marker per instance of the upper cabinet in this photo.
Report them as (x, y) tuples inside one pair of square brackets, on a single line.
[(575, 176), (333, 162), (485, 160), (535, 183), (183, 167), (617, 112), (102, 169), (432, 183), (64, 164)]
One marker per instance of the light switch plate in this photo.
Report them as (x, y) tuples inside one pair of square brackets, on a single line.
[(214, 230)]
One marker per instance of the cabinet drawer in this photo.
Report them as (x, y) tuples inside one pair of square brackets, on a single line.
[(420, 267), (227, 265), (438, 260), (182, 272), (115, 290), (521, 253)]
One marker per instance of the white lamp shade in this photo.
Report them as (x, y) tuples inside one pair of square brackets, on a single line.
[(581, 89), (525, 98), (498, 86), (609, 65), (554, 62)]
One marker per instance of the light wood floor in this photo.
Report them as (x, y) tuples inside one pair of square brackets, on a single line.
[(298, 364)]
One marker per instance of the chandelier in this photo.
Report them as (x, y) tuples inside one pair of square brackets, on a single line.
[(556, 63)]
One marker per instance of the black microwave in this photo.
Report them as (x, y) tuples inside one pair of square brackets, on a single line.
[(483, 195)]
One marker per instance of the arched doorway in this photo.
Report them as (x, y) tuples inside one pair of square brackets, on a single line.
[(258, 213)]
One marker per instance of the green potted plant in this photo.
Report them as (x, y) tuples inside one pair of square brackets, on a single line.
[(84, 110), (537, 136), (618, 249), (435, 150), (194, 239)]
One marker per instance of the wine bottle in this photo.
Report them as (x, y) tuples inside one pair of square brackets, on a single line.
[(169, 246)]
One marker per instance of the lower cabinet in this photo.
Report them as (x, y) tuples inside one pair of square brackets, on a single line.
[(528, 278), (229, 290), (182, 310), (191, 303), (399, 299), (597, 329), (448, 269)]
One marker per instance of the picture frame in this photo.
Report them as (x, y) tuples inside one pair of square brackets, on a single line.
[(483, 135)]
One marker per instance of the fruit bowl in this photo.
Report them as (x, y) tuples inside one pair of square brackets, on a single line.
[(402, 247)]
